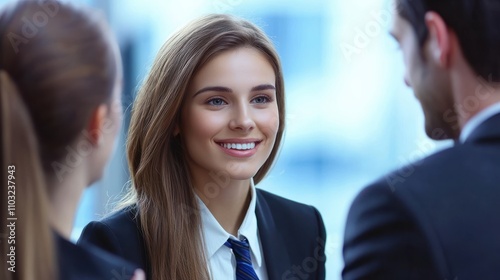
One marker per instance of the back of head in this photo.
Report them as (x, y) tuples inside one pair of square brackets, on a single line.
[(60, 59), (172, 233), (475, 22), (56, 66)]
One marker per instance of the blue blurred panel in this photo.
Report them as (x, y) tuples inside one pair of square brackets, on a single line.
[(299, 39)]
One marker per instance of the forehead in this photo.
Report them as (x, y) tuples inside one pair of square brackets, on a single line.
[(236, 66)]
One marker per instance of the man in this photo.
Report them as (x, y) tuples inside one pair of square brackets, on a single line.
[(439, 218)]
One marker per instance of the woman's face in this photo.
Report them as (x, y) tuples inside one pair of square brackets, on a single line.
[(230, 117)]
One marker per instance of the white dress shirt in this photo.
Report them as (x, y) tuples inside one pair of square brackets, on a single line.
[(221, 260), (478, 119)]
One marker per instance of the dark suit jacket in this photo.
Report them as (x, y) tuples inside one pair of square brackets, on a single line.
[(438, 218), (292, 235), (90, 263)]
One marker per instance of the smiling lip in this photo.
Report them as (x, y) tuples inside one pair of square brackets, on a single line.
[(241, 148)]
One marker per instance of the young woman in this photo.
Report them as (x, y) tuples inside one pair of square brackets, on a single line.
[(59, 114), (206, 126)]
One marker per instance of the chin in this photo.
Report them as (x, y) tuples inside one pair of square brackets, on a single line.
[(242, 176)]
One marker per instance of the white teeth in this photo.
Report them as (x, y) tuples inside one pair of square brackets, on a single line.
[(238, 146)]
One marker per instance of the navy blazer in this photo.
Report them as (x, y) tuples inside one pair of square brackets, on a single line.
[(435, 219), (293, 237), (89, 263)]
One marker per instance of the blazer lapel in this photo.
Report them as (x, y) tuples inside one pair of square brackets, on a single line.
[(274, 249)]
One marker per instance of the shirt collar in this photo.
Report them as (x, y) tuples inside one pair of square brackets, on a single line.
[(477, 120), (215, 236)]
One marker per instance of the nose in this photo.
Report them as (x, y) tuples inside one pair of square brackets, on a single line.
[(242, 119)]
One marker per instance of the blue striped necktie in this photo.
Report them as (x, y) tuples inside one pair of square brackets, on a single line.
[(244, 268)]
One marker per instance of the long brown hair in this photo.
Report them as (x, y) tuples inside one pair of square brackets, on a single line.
[(56, 67), (169, 214), (27, 185)]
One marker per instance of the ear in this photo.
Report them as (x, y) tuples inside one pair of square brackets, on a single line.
[(96, 123), (439, 41)]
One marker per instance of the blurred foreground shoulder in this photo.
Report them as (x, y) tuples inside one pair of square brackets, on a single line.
[(119, 234), (89, 262)]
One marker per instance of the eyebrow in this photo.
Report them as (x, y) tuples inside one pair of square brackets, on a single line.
[(225, 89)]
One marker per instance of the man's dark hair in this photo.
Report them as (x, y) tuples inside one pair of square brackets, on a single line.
[(475, 22)]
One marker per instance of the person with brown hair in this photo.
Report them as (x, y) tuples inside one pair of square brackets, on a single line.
[(206, 127), (435, 219), (60, 111)]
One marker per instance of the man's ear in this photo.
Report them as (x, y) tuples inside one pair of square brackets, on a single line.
[(439, 41), (96, 123)]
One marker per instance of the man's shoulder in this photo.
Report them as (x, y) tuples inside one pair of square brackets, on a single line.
[(442, 168), (442, 200), (462, 176)]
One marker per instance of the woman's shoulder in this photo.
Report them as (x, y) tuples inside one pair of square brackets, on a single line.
[(299, 226), (89, 262), (283, 208), (276, 201)]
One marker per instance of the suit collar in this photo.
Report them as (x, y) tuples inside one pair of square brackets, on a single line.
[(274, 249), (487, 131), (479, 118)]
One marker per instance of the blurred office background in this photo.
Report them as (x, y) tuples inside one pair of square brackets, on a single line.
[(350, 117)]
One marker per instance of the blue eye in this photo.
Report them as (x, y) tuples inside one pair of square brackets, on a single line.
[(261, 99), (216, 102)]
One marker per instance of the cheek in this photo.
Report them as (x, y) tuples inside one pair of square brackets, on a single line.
[(201, 125), (269, 121)]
